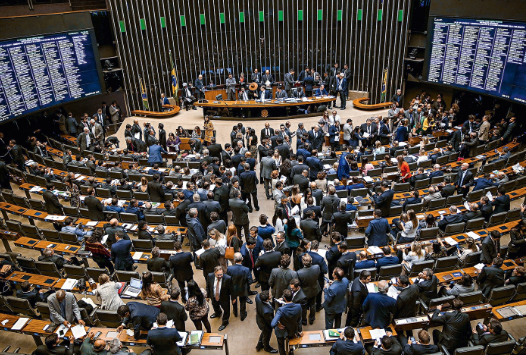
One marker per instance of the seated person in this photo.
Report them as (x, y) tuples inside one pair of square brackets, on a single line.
[(338, 185), (422, 347), (32, 295), (157, 263), (518, 276), (491, 333), (363, 262), (415, 198), (78, 231), (113, 206), (162, 236), (482, 183), (133, 207), (49, 255), (387, 259)]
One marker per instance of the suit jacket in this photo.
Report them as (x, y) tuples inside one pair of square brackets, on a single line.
[(32, 296), (226, 288), (53, 206), (163, 341), (156, 192), (340, 220), (284, 151), (377, 232), (396, 348), (299, 298), (120, 254), (264, 133), (329, 206), (176, 312), (335, 302), (346, 262), (383, 202), (158, 264), (468, 179), (308, 277), (289, 315), (428, 288), (72, 309), (155, 156), (241, 280), (82, 141), (266, 263), (346, 347), (316, 139), (489, 251), (209, 260), (406, 306), (283, 248), (181, 263), (501, 204), (378, 308), (280, 280), (310, 229), (457, 328), (248, 181), (387, 261), (57, 350), (239, 211), (489, 278), (264, 314), (289, 81), (268, 165), (487, 338), (451, 219), (95, 208), (420, 349), (358, 294), (141, 316)]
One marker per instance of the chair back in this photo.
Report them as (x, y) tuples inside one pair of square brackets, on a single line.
[(70, 211), (108, 319), (500, 348), (454, 200), (21, 306), (428, 233), (402, 187), (124, 194), (165, 244), (436, 204), (142, 244), (475, 224), (355, 242), (472, 259), (171, 221), (48, 268), (420, 184), (437, 179), (497, 218), (417, 207), (513, 215), (125, 276), (27, 265), (94, 272), (4, 307), (454, 228), (470, 350), (474, 195), (501, 295), (396, 210), (31, 231), (372, 270), (420, 266), (471, 298), (141, 195), (520, 292), (359, 192), (390, 271), (69, 238), (129, 218), (342, 193), (446, 263), (74, 272), (111, 214)]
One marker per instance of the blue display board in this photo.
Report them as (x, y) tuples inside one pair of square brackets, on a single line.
[(43, 71), (479, 55)]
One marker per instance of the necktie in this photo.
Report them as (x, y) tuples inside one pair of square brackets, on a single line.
[(217, 290), (251, 257)]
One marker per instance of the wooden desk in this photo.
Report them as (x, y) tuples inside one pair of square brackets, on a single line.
[(480, 311), (39, 281), (6, 236), (497, 315), (12, 319), (305, 340), (70, 139), (417, 322), (441, 275), (508, 265), (365, 334)]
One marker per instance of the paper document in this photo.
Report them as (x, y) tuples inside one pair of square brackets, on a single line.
[(20, 323), (479, 266), (78, 331), (199, 252), (69, 284), (368, 179), (392, 292), (137, 135), (372, 288), (377, 333), (366, 135), (184, 336), (111, 335), (92, 224), (104, 239), (137, 255), (322, 252), (450, 241), (473, 235), (490, 196), (466, 204), (374, 250)]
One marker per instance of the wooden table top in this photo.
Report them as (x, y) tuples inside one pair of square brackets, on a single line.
[(40, 281), (12, 319), (269, 103), (36, 327), (305, 338), (365, 333), (497, 314)]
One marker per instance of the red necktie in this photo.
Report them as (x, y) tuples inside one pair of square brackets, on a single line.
[(251, 257)]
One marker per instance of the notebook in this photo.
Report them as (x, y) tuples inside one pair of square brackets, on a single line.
[(134, 288)]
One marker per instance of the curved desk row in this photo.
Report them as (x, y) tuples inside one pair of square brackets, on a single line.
[(173, 110)]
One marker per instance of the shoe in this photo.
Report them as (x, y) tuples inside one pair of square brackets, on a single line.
[(194, 108), (243, 316), (257, 209), (319, 309), (304, 323), (259, 346), (222, 327), (250, 210), (249, 301), (257, 285), (271, 350), (135, 267), (252, 293), (215, 315), (311, 321)]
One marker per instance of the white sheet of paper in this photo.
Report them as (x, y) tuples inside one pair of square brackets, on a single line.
[(92, 224), (377, 333), (450, 241), (371, 288), (473, 235), (78, 331), (490, 196), (366, 135), (479, 266), (466, 204), (20, 323), (137, 255), (69, 284)]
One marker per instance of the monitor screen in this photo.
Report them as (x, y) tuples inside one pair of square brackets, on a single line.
[(485, 56), (42, 71)]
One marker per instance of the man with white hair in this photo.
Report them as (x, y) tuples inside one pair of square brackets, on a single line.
[(465, 180), (84, 140), (97, 131), (378, 307)]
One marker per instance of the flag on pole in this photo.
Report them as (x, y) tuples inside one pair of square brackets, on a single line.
[(384, 85), (144, 95), (175, 84)]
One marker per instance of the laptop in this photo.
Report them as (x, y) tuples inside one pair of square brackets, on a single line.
[(134, 288)]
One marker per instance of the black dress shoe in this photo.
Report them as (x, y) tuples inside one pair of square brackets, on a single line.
[(250, 210), (257, 285), (259, 346), (257, 209), (235, 314), (252, 293), (222, 327), (249, 301), (311, 321), (243, 316), (271, 350), (215, 316)]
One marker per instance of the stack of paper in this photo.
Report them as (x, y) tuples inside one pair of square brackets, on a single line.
[(374, 250), (91, 224), (473, 235), (392, 292), (137, 255), (69, 284), (372, 288), (466, 204), (490, 196), (479, 266), (20, 323), (450, 241), (36, 189), (78, 331), (184, 337), (368, 179)]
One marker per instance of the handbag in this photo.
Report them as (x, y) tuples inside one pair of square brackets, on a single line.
[(6, 270), (229, 252)]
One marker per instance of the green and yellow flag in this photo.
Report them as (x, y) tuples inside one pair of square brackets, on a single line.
[(175, 84), (144, 96)]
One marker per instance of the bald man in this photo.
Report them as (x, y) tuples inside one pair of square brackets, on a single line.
[(63, 308), (93, 347), (464, 180)]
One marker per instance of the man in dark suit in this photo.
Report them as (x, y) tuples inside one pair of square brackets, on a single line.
[(266, 262), (329, 206), (249, 188), (377, 230), (202, 212), (464, 180), (491, 277), (155, 189), (422, 347), (502, 202), (281, 244), (135, 145), (485, 207), (490, 247), (308, 277), (95, 208), (341, 219), (221, 195), (287, 321), (346, 260), (451, 218), (349, 344), (383, 200), (53, 206), (264, 316), (378, 307), (406, 302), (174, 310), (302, 180), (358, 294), (457, 330), (363, 262), (316, 138), (140, 315), (335, 302), (283, 149), (32, 295), (319, 260), (209, 259), (310, 227), (163, 340), (267, 132), (334, 253), (387, 259), (54, 345), (240, 214), (315, 166), (491, 333), (181, 264), (447, 188), (420, 175), (219, 289), (241, 280), (427, 285), (298, 296), (120, 253), (371, 129)]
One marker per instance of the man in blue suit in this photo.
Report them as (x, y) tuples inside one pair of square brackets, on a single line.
[(319, 260), (139, 314), (315, 165), (287, 321), (415, 198), (482, 183), (264, 316), (155, 156), (321, 91), (436, 172), (349, 344), (250, 252), (241, 281), (388, 259), (383, 200), (163, 340), (264, 94), (120, 253), (364, 263), (378, 307), (377, 230), (334, 135), (335, 302), (341, 87)]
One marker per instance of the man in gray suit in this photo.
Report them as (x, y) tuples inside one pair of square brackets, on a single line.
[(231, 88), (289, 82), (84, 140), (71, 124), (308, 276), (98, 132), (268, 165), (63, 308), (280, 277), (329, 206), (240, 214)]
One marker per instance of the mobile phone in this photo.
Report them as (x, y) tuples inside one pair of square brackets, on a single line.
[(97, 335), (327, 280), (412, 339)]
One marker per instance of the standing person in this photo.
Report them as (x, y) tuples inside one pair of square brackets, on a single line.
[(163, 340), (107, 292), (197, 306), (289, 82), (53, 206), (231, 88), (490, 247), (378, 307), (341, 87), (358, 294), (219, 289), (17, 155), (266, 263), (287, 321), (249, 191), (115, 113), (491, 277), (120, 253), (457, 329), (241, 280), (209, 134), (95, 208), (174, 310), (140, 315), (181, 264), (406, 302), (280, 277), (63, 308), (264, 317), (335, 302), (308, 277), (239, 213), (199, 87), (162, 136)]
